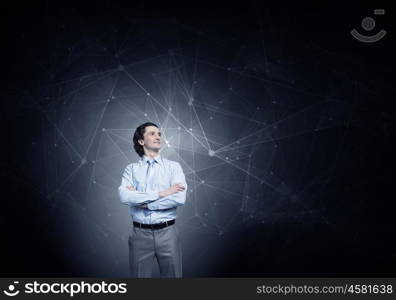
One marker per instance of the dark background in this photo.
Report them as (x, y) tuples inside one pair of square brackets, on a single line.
[(359, 239)]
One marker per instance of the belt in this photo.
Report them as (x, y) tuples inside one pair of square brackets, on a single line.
[(154, 226)]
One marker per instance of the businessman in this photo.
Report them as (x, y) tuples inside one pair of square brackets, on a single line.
[(153, 188)]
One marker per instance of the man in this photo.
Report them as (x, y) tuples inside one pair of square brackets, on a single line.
[(153, 188)]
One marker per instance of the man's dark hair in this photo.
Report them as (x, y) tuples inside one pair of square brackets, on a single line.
[(139, 133)]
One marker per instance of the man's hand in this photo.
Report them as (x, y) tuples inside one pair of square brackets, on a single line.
[(177, 187), (131, 188)]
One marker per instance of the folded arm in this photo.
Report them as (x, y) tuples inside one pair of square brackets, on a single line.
[(176, 199), (129, 196)]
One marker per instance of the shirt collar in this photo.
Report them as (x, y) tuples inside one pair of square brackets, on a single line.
[(145, 158)]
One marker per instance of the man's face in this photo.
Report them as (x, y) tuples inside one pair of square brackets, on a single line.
[(152, 138)]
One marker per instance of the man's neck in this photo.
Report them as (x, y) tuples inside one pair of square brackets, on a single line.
[(151, 154)]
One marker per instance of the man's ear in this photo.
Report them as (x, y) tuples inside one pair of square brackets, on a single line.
[(141, 142)]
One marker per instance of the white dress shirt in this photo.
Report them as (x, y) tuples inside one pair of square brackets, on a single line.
[(165, 174)]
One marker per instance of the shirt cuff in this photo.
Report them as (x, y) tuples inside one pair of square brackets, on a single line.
[(152, 196), (152, 206)]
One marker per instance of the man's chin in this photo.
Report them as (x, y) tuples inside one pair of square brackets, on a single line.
[(156, 149)]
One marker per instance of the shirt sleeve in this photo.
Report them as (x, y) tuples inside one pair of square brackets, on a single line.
[(176, 199), (133, 198)]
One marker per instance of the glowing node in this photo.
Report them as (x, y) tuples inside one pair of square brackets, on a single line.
[(211, 152)]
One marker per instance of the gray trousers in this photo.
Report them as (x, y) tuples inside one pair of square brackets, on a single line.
[(164, 244)]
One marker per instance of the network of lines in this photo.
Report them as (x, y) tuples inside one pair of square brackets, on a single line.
[(229, 121)]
